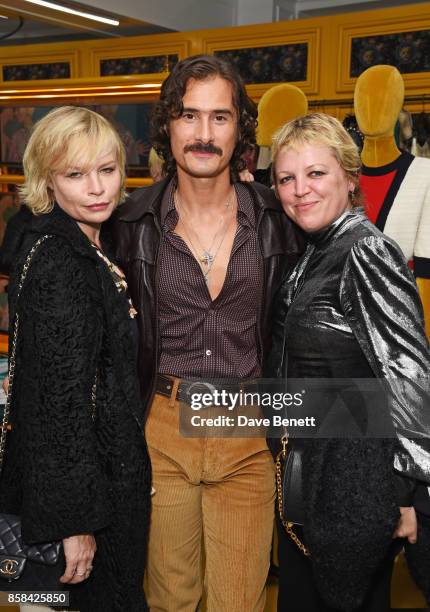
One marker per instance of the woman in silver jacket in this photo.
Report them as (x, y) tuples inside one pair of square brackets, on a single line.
[(349, 315)]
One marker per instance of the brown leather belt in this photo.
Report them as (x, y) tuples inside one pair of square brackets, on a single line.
[(186, 388)]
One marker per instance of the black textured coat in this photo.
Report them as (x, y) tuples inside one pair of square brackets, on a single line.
[(67, 472)]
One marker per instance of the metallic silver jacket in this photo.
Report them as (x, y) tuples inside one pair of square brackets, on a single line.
[(352, 286)]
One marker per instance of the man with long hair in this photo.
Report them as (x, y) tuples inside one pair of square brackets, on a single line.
[(204, 254)]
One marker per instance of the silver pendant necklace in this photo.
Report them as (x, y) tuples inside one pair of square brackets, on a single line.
[(207, 258)]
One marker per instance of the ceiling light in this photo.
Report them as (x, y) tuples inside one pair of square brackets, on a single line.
[(3, 17), (70, 11)]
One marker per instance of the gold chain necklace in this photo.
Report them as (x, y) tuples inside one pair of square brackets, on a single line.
[(118, 278)]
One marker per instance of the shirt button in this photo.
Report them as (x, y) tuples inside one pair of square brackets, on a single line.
[(208, 352)]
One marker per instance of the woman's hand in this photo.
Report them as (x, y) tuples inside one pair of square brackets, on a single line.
[(245, 176), (407, 527), (79, 551)]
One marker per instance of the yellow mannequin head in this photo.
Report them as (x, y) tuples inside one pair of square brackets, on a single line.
[(278, 105), (378, 100)]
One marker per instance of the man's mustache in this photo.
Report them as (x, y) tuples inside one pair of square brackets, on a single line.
[(200, 147)]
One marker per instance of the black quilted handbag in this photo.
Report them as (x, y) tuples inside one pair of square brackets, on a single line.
[(28, 568), (25, 568)]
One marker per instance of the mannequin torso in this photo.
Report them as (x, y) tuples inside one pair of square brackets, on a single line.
[(396, 185)]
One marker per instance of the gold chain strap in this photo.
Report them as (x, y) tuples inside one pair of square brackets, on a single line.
[(94, 398), (13, 351), (281, 457)]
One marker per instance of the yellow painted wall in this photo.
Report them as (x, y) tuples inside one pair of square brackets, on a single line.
[(328, 85), (328, 38)]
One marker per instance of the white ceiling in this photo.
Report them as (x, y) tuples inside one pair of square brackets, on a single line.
[(152, 16), (185, 15)]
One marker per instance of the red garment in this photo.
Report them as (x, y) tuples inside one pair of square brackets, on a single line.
[(375, 189), (380, 187)]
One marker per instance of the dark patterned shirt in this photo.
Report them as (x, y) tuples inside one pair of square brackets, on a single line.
[(201, 338)]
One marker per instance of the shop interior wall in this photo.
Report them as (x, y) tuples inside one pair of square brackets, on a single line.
[(316, 53)]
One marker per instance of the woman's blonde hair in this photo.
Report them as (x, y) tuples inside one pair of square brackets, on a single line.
[(66, 136), (322, 129)]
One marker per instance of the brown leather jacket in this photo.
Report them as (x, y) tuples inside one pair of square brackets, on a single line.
[(137, 234)]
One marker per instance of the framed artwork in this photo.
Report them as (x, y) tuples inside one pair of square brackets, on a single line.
[(264, 59), (400, 43), (132, 121)]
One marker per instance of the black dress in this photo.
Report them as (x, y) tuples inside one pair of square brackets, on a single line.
[(350, 310), (68, 470)]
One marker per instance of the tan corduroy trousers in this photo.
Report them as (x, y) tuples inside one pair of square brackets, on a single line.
[(215, 492)]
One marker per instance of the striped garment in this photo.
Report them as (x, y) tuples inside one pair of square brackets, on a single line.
[(398, 202)]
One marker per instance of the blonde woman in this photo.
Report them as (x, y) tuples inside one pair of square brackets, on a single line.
[(76, 466), (350, 310)]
